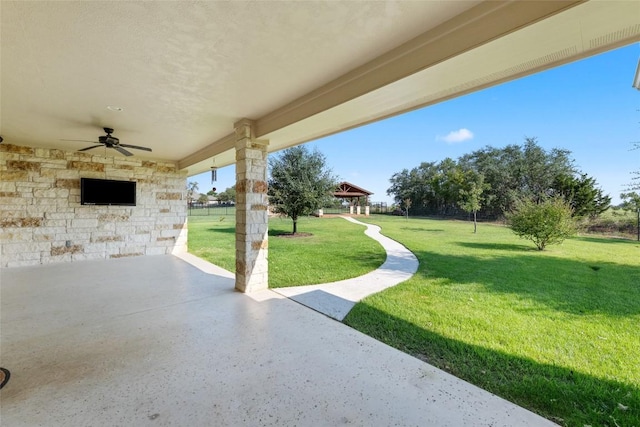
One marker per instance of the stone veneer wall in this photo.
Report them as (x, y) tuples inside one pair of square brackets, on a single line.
[(42, 220)]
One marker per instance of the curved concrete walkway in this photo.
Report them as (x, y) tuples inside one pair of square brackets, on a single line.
[(336, 299)]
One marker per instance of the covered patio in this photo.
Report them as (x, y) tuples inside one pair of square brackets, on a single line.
[(157, 341), (102, 322), (193, 86)]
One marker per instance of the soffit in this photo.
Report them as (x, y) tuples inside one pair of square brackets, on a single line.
[(184, 72)]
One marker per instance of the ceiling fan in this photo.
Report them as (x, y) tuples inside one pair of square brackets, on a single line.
[(111, 142)]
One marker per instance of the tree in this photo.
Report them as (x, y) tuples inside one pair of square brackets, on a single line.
[(300, 183), (635, 181), (192, 187), (517, 172), (511, 173), (545, 222), (630, 201), (445, 185), (415, 184), (431, 186), (228, 195), (407, 205), (203, 199), (539, 169), (471, 195), (585, 198)]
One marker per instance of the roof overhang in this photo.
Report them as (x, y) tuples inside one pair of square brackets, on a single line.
[(185, 72), (346, 190)]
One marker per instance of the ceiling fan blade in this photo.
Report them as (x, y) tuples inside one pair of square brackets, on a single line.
[(78, 140), (137, 147), (122, 150), (89, 148)]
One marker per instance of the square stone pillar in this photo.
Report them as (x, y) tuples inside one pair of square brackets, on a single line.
[(251, 209)]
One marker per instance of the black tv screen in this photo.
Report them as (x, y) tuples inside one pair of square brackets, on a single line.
[(107, 192)]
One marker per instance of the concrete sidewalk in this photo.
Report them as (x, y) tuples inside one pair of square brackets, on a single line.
[(336, 299)]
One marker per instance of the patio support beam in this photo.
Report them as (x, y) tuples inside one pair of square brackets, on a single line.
[(251, 209)]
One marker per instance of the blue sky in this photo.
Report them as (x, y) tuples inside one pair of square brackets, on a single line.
[(587, 107)]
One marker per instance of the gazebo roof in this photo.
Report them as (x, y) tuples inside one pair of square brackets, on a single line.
[(346, 189)]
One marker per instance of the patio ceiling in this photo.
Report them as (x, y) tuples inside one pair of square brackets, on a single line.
[(184, 73)]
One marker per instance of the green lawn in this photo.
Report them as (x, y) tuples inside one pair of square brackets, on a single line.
[(556, 331), (213, 238), (336, 250)]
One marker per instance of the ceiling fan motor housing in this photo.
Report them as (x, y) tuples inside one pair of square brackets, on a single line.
[(109, 140)]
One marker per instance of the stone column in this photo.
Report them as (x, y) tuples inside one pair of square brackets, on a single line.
[(366, 210), (358, 210), (251, 209)]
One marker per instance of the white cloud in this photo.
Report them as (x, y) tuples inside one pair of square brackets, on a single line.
[(457, 136)]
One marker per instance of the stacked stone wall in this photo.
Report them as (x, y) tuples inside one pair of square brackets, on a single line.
[(42, 220)]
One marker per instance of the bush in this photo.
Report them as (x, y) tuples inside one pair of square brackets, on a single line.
[(612, 226), (544, 223)]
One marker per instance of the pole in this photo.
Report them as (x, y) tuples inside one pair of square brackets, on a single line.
[(638, 224)]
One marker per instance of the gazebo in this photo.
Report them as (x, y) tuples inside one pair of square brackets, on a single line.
[(353, 193)]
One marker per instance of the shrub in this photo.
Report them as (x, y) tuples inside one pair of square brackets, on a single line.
[(544, 223)]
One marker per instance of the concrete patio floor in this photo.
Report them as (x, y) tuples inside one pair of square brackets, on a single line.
[(156, 341)]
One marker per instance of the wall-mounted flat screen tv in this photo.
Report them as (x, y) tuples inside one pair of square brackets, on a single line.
[(107, 192)]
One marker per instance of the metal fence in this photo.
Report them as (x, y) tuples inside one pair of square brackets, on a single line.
[(379, 207), (196, 210), (230, 210)]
